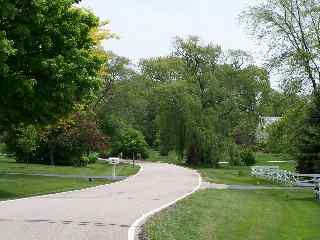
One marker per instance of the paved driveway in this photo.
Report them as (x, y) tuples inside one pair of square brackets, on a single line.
[(100, 213)]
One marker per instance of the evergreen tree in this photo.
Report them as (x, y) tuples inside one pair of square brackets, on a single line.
[(308, 140)]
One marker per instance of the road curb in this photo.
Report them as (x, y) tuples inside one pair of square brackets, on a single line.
[(132, 231)]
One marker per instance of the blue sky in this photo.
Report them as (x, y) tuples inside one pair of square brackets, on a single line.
[(147, 27)]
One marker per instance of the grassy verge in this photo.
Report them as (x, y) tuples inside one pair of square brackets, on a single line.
[(239, 215), (9, 165), (229, 174), (264, 158), (242, 175), (18, 186)]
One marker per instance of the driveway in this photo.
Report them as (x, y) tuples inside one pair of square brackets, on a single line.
[(108, 212)]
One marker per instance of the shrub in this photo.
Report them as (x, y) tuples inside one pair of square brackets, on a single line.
[(247, 157), (93, 157), (129, 141), (63, 143), (83, 161), (27, 142)]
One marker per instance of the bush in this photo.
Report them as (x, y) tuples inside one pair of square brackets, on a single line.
[(83, 161), (129, 141), (247, 157), (93, 157), (27, 142), (63, 143)]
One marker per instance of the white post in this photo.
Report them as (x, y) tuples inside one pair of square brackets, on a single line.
[(114, 172)]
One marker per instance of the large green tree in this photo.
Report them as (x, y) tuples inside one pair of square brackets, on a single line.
[(291, 30), (215, 105), (48, 59)]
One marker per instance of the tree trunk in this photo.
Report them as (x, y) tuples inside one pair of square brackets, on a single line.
[(193, 155), (51, 157)]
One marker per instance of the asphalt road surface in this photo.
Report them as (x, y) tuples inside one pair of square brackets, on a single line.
[(102, 213)]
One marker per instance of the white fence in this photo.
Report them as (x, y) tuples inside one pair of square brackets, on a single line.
[(274, 174), (317, 190), (277, 175)]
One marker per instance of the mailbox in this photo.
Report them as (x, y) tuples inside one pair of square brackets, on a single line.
[(114, 161)]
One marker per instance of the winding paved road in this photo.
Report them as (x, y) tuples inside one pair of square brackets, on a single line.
[(101, 213)]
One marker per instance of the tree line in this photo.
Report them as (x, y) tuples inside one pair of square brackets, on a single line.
[(63, 97)]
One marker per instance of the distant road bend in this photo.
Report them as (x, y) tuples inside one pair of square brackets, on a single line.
[(108, 212)]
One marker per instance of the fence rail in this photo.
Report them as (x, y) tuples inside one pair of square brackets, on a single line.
[(275, 174)]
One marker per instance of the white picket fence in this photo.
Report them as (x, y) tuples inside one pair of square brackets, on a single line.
[(277, 175), (274, 174)]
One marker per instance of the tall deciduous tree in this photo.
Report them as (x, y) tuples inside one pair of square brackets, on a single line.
[(49, 60), (291, 28)]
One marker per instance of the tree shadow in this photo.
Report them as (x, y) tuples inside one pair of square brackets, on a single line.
[(4, 195)]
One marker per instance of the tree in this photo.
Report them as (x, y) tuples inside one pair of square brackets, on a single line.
[(211, 105), (162, 69), (291, 29), (308, 140), (28, 141), (49, 60)]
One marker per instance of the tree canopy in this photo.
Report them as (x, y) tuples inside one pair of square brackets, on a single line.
[(49, 61)]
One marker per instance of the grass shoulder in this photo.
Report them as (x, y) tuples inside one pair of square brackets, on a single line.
[(227, 174), (239, 215), (9, 165), (19, 186)]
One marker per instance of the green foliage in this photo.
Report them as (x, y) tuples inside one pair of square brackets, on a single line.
[(129, 142), (162, 69), (308, 140), (83, 161), (214, 108), (193, 101), (282, 135), (61, 144), (247, 157), (48, 62), (294, 23), (235, 158), (93, 157), (27, 141)]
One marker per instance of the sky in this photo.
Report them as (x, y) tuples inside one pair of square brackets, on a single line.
[(147, 27)]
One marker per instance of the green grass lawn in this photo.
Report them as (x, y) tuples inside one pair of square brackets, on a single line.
[(154, 156), (242, 175), (263, 158), (9, 165), (18, 186), (231, 175), (240, 215)]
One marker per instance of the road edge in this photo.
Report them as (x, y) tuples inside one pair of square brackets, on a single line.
[(132, 233), (77, 190)]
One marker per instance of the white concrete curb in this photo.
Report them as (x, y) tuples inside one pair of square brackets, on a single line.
[(132, 229)]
